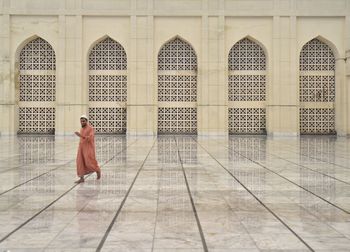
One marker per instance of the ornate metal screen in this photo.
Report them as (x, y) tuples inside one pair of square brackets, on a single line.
[(37, 88), (108, 87), (177, 88), (317, 88), (247, 88)]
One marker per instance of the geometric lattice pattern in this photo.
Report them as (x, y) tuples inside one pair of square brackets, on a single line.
[(107, 88), (37, 87), (316, 56), (247, 87), (177, 120), (107, 55), (37, 55), (108, 120), (108, 84), (177, 88), (247, 120), (317, 86), (177, 55), (37, 83), (246, 55), (36, 120), (317, 121)]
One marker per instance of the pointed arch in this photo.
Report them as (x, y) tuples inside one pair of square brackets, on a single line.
[(177, 87), (37, 86), (107, 54), (325, 41), (247, 87), (317, 88), (177, 54), (28, 40), (107, 69)]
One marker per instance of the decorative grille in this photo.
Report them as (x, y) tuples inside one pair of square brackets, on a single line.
[(37, 87), (247, 55), (177, 88), (317, 121), (37, 83), (177, 55), (108, 55), (37, 55), (177, 120), (108, 120), (35, 120), (247, 120), (317, 86), (108, 84), (247, 85)]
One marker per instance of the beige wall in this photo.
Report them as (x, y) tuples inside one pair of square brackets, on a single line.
[(212, 27)]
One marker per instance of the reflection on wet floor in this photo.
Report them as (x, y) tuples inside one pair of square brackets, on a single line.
[(193, 193)]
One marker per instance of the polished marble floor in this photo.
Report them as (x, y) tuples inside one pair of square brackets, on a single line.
[(177, 193)]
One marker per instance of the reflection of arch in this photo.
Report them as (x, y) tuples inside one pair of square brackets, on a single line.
[(37, 86), (177, 87), (247, 88), (317, 88), (107, 86)]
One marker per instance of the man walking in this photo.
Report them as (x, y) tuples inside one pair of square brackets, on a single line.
[(86, 158)]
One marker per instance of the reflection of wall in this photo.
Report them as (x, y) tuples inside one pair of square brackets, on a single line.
[(36, 149), (35, 152), (112, 149), (243, 148), (173, 191), (248, 173), (316, 150)]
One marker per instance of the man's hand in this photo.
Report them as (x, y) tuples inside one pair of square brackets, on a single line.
[(77, 133)]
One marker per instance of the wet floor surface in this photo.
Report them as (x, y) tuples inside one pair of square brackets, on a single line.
[(176, 193)]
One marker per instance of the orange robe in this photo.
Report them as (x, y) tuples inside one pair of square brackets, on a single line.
[(86, 158)]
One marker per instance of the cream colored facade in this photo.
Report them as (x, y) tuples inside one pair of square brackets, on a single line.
[(142, 27)]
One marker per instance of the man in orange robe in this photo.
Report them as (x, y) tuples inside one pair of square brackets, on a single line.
[(86, 158)]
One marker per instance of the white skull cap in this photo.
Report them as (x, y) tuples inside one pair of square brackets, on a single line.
[(84, 116)]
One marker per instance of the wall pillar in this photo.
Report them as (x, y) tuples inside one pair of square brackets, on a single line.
[(282, 108)]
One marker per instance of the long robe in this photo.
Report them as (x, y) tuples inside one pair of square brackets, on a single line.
[(86, 158)]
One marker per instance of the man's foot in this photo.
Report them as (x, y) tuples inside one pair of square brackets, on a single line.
[(98, 174), (80, 181)]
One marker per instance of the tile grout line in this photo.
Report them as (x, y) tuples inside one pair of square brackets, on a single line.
[(251, 193), (155, 224), (47, 206), (205, 247), (308, 168), (45, 173), (32, 163), (290, 181), (104, 238), (89, 200), (318, 159)]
